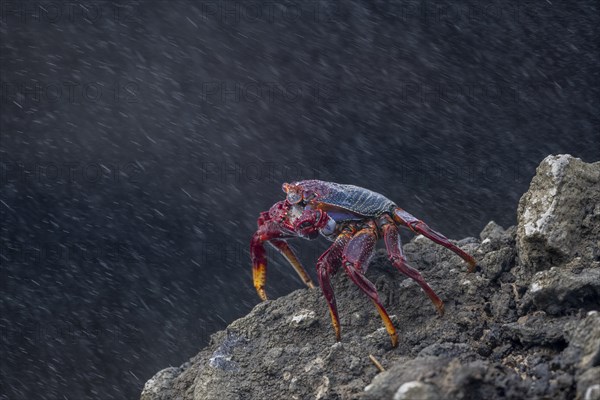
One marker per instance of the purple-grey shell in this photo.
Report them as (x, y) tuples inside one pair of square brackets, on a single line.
[(356, 199)]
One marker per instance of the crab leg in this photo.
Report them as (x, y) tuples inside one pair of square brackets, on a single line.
[(416, 225), (327, 265), (356, 257), (288, 253), (393, 245)]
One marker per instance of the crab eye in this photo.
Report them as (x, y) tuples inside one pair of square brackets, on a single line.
[(294, 197)]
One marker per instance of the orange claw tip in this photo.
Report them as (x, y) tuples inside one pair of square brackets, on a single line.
[(262, 294)]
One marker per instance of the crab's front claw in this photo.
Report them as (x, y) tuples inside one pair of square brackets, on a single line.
[(259, 265), (310, 222), (275, 234)]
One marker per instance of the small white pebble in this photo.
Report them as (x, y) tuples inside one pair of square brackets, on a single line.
[(316, 364), (305, 314), (408, 283), (535, 287), (408, 390)]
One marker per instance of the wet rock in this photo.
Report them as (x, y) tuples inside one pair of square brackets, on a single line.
[(495, 262), (588, 385), (417, 390), (443, 378), (525, 326), (559, 216), (496, 252), (559, 290), (584, 343), (160, 385), (536, 329), (558, 237), (303, 319), (221, 358), (390, 382), (494, 237), (492, 231), (445, 350)]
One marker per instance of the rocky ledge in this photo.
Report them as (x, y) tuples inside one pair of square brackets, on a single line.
[(526, 326)]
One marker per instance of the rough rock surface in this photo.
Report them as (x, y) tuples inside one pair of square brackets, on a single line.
[(526, 326), (559, 216)]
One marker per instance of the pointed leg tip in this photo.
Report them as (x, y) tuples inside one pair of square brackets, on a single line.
[(338, 333), (441, 309), (474, 268), (394, 340)]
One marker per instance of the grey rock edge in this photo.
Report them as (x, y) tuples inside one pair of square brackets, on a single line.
[(526, 326)]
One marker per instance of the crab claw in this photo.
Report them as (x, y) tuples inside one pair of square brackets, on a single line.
[(310, 222), (259, 265), (274, 234)]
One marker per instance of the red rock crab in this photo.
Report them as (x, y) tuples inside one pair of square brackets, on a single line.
[(353, 218)]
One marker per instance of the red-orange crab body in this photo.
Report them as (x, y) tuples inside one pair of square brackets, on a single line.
[(353, 218)]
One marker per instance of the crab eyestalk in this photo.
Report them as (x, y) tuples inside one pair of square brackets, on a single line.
[(294, 194)]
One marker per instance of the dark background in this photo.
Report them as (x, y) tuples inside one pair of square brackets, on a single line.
[(140, 140)]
